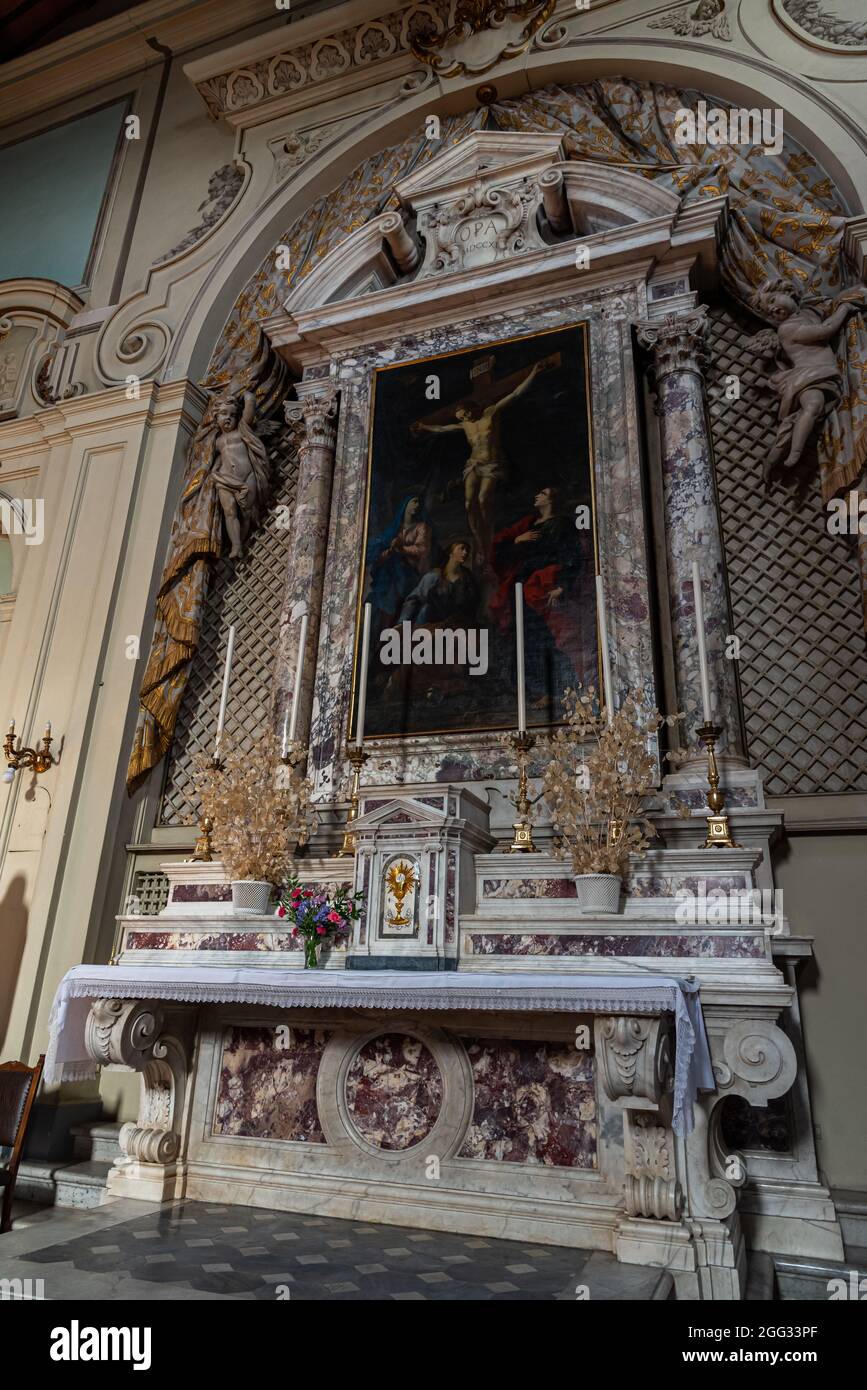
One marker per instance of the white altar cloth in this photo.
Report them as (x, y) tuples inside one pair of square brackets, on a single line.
[(67, 1059)]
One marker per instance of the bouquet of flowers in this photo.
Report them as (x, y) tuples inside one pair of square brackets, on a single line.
[(318, 917)]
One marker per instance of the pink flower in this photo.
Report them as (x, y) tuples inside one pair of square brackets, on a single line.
[(281, 911), (320, 931), (308, 894), (334, 917), (294, 931), (296, 894)]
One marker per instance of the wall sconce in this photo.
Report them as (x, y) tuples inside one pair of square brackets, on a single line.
[(35, 759)]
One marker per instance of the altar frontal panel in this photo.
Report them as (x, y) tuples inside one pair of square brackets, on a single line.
[(479, 477), (528, 1100)]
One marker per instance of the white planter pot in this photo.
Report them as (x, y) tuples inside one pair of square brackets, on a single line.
[(249, 895), (598, 892)]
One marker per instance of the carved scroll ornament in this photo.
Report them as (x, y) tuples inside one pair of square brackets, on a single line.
[(452, 54)]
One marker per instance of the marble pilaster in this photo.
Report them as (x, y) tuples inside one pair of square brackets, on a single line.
[(315, 417), (692, 528)]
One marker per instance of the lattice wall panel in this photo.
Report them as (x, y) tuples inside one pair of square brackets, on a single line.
[(795, 596), (248, 593), (151, 890)]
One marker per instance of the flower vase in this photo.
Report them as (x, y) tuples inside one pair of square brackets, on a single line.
[(251, 895), (598, 893), (311, 953)]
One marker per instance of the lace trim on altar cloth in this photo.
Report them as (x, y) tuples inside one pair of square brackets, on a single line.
[(65, 1059)]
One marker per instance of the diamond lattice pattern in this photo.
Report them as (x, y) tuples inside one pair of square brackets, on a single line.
[(795, 595), (248, 593)]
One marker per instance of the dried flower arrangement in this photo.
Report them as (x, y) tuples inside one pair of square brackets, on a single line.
[(598, 778), (260, 807)]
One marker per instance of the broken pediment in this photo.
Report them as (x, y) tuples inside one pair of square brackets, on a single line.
[(477, 202)]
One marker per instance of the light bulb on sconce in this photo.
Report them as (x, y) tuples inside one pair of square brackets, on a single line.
[(30, 759)]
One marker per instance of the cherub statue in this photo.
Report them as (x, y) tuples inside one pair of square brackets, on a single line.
[(240, 470), (807, 379)]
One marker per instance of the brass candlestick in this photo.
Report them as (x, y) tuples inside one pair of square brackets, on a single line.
[(718, 830), (29, 759), (357, 757), (203, 852), (522, 843)]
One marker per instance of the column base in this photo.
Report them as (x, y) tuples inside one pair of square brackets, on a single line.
[(707, 1259), (148, 1182)]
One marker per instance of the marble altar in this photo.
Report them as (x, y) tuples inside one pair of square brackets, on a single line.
[(489, 1058)]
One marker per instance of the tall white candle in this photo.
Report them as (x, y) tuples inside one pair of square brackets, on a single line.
[(603, 643), (299, 672), (519, 648), (362, 677), (702, 648), (224, 694)]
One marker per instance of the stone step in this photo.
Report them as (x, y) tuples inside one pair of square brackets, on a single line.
[(97, 1139), (761, 1278), (800, 1277), (81, 1184), (852, 1215)]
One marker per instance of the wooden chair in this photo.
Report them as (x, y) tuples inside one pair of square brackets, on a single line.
[(18, 1086)]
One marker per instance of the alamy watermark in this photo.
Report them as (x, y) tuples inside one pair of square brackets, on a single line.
[(77, 1343), (847, 516), (22, 1290), (736, 907), (440, 646), (23, 516), (730, 125)]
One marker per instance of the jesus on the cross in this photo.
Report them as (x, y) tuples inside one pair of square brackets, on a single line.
[(486, 465)]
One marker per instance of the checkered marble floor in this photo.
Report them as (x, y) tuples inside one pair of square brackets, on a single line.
[(244, 1253)]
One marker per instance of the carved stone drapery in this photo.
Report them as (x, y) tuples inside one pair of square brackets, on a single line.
[(315, 416), (214, 461), (676, 343), (154, 1041)]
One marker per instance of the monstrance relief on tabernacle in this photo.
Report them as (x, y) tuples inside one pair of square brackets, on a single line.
[(480, 478)]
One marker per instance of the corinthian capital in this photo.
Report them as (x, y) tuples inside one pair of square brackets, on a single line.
[(316, 414), (677, 341)]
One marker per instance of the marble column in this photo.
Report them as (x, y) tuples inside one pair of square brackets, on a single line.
[(692, 529), (315, 416)]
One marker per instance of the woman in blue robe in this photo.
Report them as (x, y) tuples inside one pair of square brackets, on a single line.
[(397, 558)]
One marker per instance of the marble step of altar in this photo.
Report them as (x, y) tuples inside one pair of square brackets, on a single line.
[(82, 1184), (79, 1181), (852, 1213), (690, 886), (816, 1281), (98, 1140), (761, 1277)]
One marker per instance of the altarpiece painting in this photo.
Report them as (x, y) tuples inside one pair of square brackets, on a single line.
[(479, 477)]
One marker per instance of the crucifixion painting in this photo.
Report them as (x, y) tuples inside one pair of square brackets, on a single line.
[(486, 485)]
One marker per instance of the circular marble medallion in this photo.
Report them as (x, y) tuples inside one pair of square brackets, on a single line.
[(394, 1091)]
